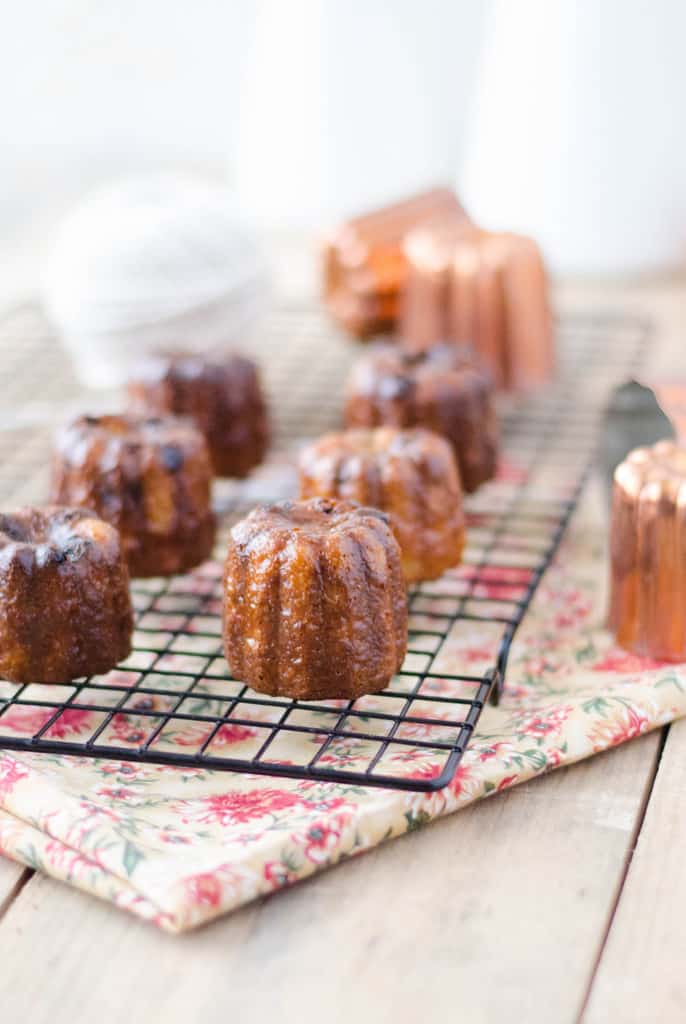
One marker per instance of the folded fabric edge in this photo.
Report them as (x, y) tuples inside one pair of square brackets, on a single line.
[(200, 897), (222, 890), (25, 844)]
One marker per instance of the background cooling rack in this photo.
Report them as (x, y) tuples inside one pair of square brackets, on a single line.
[(174, 702)]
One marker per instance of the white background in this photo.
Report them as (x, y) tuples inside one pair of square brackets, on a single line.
[(93, 88)]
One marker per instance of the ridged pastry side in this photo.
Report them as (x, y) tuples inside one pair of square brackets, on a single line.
[(224, 400), (410, 474), (65, 608), (315, 604), (438, 389), (150, 478)]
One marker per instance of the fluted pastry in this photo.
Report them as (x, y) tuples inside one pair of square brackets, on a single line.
[(411, 474), (314, 602), (223, 397), (65, 608), (440, 389), (148, 476)]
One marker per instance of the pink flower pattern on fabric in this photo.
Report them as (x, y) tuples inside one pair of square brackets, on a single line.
[(178, 846)]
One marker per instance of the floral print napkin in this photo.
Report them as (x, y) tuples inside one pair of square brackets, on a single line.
[(180, 846)]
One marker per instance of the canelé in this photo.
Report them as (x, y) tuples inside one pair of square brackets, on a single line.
[(411, 474), (148, 476), (314, 602), (439, 388), (65, 608), (223, 397)]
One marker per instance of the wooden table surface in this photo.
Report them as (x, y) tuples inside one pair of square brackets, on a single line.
[(560, 900)]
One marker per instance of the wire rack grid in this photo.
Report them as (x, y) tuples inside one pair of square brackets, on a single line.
[(174, 701)]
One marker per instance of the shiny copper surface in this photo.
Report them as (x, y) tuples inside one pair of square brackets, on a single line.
[(486, 289), (365, 265), (648, 552)]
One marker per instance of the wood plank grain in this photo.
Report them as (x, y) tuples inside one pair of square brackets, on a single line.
[(641, 974), (496, 913), (12, 877)]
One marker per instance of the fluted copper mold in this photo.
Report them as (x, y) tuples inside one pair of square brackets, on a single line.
[(486, 289), (648, 552), (364, 263)]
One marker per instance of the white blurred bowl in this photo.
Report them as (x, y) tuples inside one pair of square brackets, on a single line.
[(161, 261)]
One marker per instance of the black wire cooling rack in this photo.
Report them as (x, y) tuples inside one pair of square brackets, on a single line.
[(174, 701)]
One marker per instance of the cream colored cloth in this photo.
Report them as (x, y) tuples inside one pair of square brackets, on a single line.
[(180, 846)]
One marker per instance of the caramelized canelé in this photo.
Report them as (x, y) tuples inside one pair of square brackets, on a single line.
[(648, 552), (314, 603), (411, 474), (440, 389), (222, 397), (148, 476), (65, 609)]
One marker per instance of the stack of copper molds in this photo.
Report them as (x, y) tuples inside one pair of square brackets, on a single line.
[(648, 533), (365, 266), (648, 552), (489, 290)]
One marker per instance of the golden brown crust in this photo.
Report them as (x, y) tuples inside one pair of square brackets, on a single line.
[(410, 474), (648, 552), (440, 389), (482, 288), (65, 608), (150, 478), (224, 399), (315, 604)]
